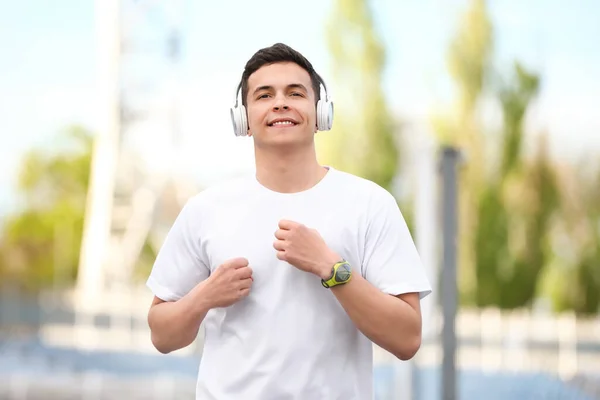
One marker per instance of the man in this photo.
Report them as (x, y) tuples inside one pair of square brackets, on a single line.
[(296, 271)]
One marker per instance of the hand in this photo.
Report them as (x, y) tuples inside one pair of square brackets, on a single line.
[(304, 248), (230, 282)]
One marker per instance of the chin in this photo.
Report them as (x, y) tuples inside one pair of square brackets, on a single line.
[(285, 137), (284, 141)]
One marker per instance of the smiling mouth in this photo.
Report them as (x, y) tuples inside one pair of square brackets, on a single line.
[(282, 124)]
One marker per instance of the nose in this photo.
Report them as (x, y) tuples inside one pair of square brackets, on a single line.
[(280, 104)]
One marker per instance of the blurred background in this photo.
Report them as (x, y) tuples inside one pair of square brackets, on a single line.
[(114, 112)]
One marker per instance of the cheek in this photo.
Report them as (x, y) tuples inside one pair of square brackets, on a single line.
[(251, 122), (312, 116), (255, 119)]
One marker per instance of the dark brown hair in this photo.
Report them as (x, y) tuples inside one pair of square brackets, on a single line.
[(277, 53)]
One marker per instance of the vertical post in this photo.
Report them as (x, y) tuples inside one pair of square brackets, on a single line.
[(449, 290), (99, 204), (426, 226), (426, 215), (97, 222)]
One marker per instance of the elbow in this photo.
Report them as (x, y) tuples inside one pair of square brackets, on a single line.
[(162, 350), (166, 346), (408, 349), (160, 346)]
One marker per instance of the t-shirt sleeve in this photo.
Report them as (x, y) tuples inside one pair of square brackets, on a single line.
[(391, 261), (179, 265)]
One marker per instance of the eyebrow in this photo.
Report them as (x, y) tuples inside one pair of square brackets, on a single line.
[(290, 86)]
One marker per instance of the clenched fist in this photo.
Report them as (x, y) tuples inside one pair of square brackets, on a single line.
[(230, 283), (304, 248)]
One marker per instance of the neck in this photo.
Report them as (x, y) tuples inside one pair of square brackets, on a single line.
[(288, 172)]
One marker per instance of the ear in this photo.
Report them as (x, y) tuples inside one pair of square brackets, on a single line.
[(248, 133)]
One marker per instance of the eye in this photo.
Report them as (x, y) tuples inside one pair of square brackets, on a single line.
[(297, 94), (263, 96)]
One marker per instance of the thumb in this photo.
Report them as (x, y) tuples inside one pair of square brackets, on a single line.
[(235, 263)]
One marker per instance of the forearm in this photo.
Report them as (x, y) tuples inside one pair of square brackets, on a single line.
[(388, 321), (175, 325)]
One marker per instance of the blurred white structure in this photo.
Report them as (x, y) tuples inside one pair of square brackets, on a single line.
[(138, 50), (427, 227)]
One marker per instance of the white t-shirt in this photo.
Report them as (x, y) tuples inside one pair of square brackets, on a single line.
[(290, 338)]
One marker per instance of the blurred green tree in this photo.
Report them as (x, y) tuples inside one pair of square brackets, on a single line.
[(516, 207), (363, 139), (40, 243), (573, 281), (507, 201), (583, 296), (469, 64)]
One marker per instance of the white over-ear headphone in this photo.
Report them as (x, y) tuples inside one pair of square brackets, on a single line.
[(239, 117)]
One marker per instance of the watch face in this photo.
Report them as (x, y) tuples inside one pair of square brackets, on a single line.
[(343, 273)]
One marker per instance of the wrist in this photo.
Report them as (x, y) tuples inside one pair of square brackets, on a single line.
[(326, 265), (200, 298)]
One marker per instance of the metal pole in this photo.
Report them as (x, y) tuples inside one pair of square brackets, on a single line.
[(449, 289)]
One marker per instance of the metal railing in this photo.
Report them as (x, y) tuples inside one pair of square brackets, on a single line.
[(45, 353)]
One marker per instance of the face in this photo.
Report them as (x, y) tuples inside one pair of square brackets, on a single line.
[(281, 106)]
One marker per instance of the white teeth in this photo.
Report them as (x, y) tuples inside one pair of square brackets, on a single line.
[(283, 123)]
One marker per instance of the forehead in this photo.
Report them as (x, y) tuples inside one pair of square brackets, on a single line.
[(279, 75)]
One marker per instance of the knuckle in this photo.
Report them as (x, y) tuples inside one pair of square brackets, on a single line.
[(240, 261)]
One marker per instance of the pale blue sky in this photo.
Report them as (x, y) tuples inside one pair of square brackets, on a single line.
[(48, 68)]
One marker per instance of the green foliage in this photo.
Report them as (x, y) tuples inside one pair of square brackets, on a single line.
[(515, 98), (470, 53), (516, 211), (491, 250), (586, 296), (541, 205), (574, 281), (362, 140), (516, 208), (469, 65), (41, 242)]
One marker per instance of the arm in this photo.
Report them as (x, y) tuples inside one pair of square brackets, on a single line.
[(383, 296), (391, 322), (177, 280), (174, 325), (383, 301)]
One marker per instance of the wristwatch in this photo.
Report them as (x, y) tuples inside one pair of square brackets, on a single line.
[(341, 273)]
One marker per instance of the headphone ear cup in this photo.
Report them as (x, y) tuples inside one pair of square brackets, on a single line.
[(243, 121), (324, 115), (239, 121)]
